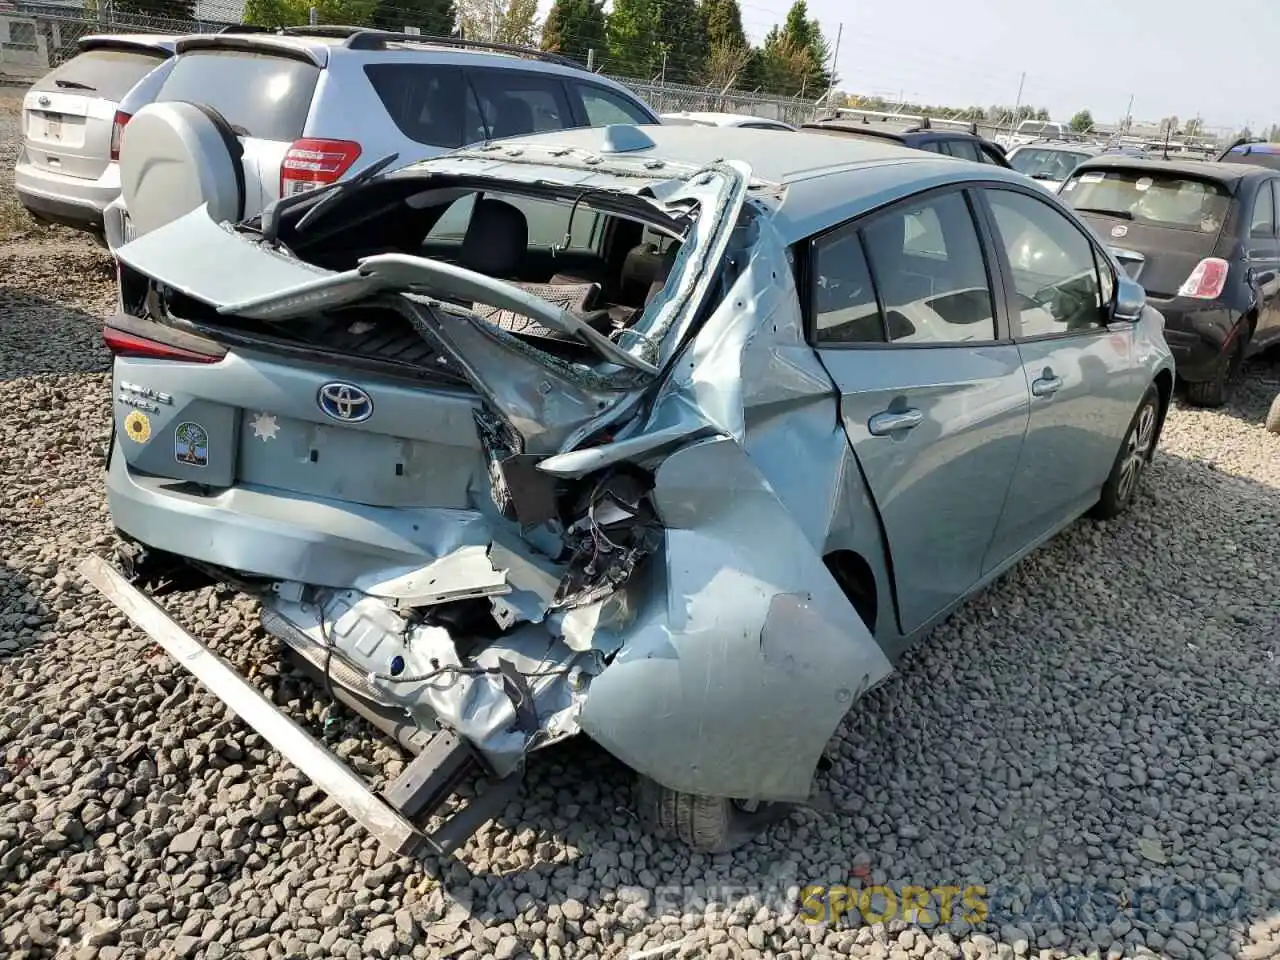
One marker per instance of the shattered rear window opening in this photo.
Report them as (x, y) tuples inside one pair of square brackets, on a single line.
[(621, 267)]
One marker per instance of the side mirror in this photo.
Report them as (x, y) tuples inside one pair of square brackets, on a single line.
[(1130, 299)]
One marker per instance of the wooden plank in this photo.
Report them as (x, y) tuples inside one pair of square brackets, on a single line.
[(310, 756)]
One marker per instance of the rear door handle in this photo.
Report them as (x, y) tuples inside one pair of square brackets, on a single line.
[(1046, 386), (889, 422)]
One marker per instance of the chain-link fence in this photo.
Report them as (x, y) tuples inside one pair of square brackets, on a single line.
[(49, 33)]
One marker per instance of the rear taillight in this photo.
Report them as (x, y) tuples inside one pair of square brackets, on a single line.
[(121, 343), (1206, 280), (117, 131), (308, 164)]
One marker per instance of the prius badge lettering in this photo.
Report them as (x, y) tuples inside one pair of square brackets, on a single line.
[(345, 402)]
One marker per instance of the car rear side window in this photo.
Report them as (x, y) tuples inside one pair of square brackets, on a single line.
[(844, 300), (260, 94), (914, 275), (428, 103), (108, 74), (514, 103), (929, 270), (965, 150), (603, 107)]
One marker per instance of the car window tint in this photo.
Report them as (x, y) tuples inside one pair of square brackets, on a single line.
[(260, 94), (428, 103), (992, 155), (1054, 271), (928, 268), (514, 103), (843, 298), (109, 74), (604, 107), (965, 150), (548, 222), (1262, 225)]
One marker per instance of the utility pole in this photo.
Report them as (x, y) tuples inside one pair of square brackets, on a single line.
[(835, 53), (1017, 104)]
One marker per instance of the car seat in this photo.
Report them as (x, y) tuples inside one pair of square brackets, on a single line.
[(495, 244)]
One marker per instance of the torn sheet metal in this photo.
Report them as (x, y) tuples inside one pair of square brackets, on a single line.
[(466, 573), (722, 687)]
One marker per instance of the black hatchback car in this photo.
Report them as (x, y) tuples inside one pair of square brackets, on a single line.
[(920, 135), (1201, 238)]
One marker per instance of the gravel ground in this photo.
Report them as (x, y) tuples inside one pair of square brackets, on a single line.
[(1092, 741)]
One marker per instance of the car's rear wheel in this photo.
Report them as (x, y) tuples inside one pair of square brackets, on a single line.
[(1217, 391), (1131, 462), (1273, 415), (706, 824)]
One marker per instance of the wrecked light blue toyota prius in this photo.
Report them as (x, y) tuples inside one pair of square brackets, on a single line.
[(675, 437)]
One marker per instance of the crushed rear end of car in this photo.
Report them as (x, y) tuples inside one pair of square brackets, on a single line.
[(492, 493)]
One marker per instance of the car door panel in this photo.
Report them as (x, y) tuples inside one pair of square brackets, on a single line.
[(1262, 255), (937, 432), (1078, 369), (934, 404)]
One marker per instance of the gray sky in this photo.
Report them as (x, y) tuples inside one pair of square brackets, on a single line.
[(1175, 57)]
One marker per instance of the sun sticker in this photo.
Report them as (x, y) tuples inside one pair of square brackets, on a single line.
[(137, 426)]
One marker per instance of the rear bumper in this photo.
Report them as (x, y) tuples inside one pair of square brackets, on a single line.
[(1198, 334), (284, 536), (68, 201)]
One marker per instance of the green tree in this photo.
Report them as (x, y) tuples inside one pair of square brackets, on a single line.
[(794, 57), (1082, 121), (168, 9), (633, 39), (499, 21), (573, 27), (731, 60), (293, 13), (681, 33), (519, 23), (1041, 114)]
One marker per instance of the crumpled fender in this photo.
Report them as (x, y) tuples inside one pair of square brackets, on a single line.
[(745, 656)]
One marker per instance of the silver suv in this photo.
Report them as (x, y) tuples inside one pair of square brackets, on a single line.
[(71, 123), (310, 105)]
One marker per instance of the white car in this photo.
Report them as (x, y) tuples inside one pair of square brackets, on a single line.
[(710, 119), (1050, 162), (308, 106), (72, 117)]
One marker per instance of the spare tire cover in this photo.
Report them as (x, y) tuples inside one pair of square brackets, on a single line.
[(174, 157)]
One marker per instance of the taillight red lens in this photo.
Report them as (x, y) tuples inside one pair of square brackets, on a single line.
[(117, 131), (124, 344), (308, 164), (1206, 280)]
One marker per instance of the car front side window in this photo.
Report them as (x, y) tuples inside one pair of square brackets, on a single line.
[(1262, 225), (1055, 271)]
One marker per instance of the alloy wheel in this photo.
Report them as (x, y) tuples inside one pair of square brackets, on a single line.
[(1137, 451)]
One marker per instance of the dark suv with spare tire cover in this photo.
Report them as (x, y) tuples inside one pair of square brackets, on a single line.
[(1201, 238)]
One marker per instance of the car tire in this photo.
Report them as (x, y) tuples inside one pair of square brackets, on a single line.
[(705, 824), (1273, 415), (1135, 453), (1217, 391)]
